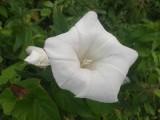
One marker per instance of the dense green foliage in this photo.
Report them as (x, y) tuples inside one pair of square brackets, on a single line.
[(136, 23)]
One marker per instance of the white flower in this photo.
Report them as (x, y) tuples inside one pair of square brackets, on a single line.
[(89, 61), (37, 57)]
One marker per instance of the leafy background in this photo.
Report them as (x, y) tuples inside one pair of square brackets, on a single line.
[(136, 23)]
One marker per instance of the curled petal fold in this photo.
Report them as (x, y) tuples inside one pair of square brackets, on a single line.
[(37, 57)]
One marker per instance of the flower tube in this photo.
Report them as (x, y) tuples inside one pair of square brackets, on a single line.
[(89, 61)]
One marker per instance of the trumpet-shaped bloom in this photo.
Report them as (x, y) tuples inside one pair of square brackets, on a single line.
[(89, 61)]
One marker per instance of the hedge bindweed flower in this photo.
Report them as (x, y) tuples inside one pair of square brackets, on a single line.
[(89, 61)]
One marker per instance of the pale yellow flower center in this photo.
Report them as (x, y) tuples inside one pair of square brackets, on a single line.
[(85, 62)]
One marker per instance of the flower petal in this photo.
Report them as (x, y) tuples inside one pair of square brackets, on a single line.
[(37, 57), (102, 78)]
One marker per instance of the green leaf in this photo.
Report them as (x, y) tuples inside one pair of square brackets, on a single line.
[(111, 14), (149, 109), (143, 52), (60, 24), (19, 41), (27, 74), (155, 44), (45, 12), (37, 105), (3, 11), (100, 108), (7, 101), (48, 4), (47, 74), (158, 70), (23, 55), (142, 66), (69, 103), (157, 92), (152, 78), (1, 59), (137, 33), (9, 73), (147, 37), (155, 57), (28, 37)]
